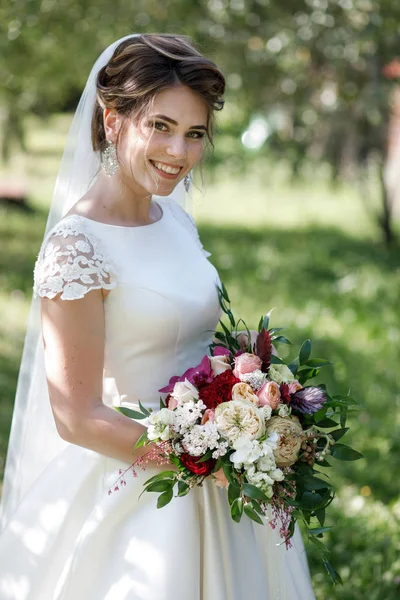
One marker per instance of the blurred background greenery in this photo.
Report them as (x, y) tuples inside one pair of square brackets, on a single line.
[(298, 204)]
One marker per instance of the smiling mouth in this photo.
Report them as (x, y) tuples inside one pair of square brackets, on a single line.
[(167, 171)]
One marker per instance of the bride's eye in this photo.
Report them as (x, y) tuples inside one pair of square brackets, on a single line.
[(196, 135), (159, 126)]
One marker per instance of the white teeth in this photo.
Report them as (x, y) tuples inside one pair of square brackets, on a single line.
[(171, 170)]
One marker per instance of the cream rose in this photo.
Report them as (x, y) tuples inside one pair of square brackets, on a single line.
[(290, 438), (280, 374), (269, 394), (246, 363), (236, 419), (242, 392), (220, 364)]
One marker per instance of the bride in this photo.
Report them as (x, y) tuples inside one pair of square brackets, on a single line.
[(127, 299)]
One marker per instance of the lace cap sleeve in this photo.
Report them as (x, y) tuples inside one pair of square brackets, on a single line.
[(71, 263), (188, 222)]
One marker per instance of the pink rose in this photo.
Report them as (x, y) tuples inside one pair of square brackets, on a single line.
[(269, 394), (220, 479), (246, 363), (294, 387), (220, 363), (208, 416)]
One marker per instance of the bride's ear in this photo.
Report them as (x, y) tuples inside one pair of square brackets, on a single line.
[(112, 123)]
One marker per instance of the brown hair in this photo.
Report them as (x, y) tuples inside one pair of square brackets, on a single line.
[(145, 64)]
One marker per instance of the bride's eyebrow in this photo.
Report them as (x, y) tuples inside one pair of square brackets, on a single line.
[(169, 120)]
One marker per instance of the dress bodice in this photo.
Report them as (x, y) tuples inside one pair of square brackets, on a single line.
[(162, 308)]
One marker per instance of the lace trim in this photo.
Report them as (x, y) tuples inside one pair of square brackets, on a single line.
[(72, 263), (188, 222)]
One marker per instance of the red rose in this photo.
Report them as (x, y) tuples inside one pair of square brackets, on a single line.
[(219, 390), (198, 468)]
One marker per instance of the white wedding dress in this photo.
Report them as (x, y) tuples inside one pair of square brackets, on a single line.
[(68, 539)]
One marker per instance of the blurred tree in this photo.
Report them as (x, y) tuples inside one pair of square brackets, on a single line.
[(314, 69)]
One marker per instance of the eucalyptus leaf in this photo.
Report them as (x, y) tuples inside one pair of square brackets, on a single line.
[(251, 513), (183, 488), (318, 362), (234, 492), (142, 440), (320, 514), (275, 360), (305, 352), (342, 452), (254, 492), (281, 339), (319, 530), (163, 475), (165, 498), (237, 509), (334, 574), (132, 414), (338, 433), (144, 409), (162, 485)]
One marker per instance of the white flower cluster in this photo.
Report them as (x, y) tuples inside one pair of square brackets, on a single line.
[(201, 438), (258, 461), (160, 425), (186, 415)]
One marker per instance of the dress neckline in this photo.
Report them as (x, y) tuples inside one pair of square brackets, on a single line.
[(73, 215)]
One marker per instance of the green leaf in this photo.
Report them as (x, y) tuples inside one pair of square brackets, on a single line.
[(162, 485), (142, 440), (265, 321), (132, 414), (144, 409), (275, 360), (159, 476), (338, 433), (319, 530), (320, 545), (237, 509), (165, 498), (231, 318), (314, 483), (251, 513), (260, 325), (183, 488), (162, 404), (334, 574), (224, 292), (305, 352), (320, 414), (234, 492), (318, 363), (293, 366), (228, 472), (327, 423), (342, 452), (309, 501), (207, 456), (320, 514), (281, 339), (254, 492)]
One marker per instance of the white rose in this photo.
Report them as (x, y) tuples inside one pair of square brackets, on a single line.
[(267, 411), (242, 392), (247, 452), (277, 475), (184, 391), (238, 419), (220, 364), (280, 374)]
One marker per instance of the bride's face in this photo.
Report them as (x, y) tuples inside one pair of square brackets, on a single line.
[(156, 153)]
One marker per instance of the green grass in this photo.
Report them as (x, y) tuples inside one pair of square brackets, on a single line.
[(312, 253)]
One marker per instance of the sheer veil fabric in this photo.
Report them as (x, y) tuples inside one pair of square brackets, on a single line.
[(34, 440)]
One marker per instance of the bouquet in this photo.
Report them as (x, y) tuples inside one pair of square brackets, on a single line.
[(250, 423)]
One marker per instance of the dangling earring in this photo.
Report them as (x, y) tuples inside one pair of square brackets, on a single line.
[(187, 182), (109, 160)]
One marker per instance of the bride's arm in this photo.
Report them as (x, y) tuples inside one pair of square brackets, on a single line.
[(73, 335)]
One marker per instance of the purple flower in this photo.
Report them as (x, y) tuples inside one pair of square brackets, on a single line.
[(308, 400), (221, 351), (203, 373)]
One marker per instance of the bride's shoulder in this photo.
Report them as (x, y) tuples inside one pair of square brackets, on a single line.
[(72, 261)]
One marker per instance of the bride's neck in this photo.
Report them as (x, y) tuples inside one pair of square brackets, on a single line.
[(121, 202)]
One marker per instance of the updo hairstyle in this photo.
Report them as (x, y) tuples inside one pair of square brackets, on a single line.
[(144, 65)]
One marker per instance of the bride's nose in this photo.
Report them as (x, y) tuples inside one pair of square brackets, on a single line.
[(176, 147)]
